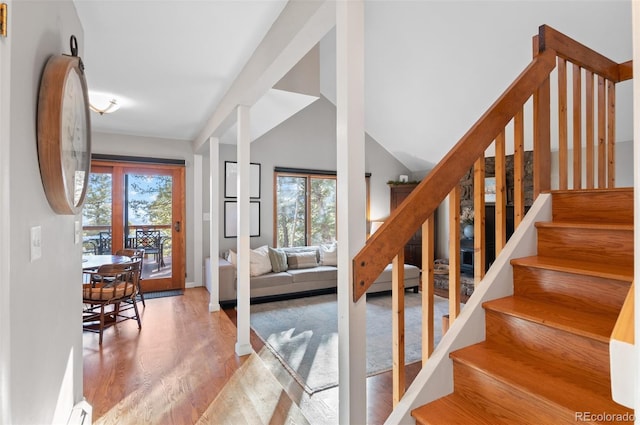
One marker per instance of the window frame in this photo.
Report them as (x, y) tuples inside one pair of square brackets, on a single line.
[(309, 175)]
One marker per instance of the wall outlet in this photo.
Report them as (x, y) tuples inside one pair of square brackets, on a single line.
[(36, 243)]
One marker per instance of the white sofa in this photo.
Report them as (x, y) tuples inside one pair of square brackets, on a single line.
[(298, 282)]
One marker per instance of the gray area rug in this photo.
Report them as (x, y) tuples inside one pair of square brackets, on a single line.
[(303, 335)]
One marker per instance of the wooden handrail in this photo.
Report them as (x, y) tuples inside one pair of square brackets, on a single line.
[(387, 244), (579, 54), (396, 231)]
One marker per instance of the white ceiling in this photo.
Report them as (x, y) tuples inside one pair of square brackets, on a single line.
[(168, 62), (431, 67)]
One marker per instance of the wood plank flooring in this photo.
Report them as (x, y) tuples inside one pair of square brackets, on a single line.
[(173, 369)]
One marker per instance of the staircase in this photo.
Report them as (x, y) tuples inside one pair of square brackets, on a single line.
[(545, 359)]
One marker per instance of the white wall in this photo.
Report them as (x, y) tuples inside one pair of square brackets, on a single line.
[(127, 145), (306, 140), (45, 341)]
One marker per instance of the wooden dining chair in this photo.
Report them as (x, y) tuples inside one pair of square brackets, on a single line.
[(137, 256), (110, 285)]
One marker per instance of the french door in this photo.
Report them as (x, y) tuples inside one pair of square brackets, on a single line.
[(138, 205)]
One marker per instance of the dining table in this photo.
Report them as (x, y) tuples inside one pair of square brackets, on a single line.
[(90, 262)]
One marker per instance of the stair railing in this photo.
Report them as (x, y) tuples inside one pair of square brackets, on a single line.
[(532, 87)]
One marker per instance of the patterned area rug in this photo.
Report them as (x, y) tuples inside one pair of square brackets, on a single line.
[(302, 333)]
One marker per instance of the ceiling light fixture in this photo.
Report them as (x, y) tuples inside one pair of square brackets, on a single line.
[(103, 103), (112, 107)]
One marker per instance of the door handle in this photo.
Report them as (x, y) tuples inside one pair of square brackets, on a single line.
[(177, 226)]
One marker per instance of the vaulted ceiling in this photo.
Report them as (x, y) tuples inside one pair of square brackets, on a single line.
[(431, 67)]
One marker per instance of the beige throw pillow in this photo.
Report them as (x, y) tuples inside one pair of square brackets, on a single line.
[(302, 260), (259, 262), (329, 254), (232, 257)]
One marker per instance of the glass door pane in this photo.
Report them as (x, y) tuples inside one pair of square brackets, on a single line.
[(148, 221), (131, 205), (97, 214)]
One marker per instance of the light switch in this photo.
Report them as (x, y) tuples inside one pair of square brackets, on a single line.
[(76, 232), (36, 243)]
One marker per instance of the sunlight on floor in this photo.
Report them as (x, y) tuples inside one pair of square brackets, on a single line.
[(253, 396)]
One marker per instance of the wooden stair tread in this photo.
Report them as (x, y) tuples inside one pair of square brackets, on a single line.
[(454, 409), (590, 268), (627, 189), (583, 225), (596, 325), (559, 388)]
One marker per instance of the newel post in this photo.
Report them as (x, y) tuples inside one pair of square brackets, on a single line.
[(541, 133)]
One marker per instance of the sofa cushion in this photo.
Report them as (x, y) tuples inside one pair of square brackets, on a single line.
[(271, 279), (410, 272), (314, 274), (329, 254), (259, 262), (278, 260), (302, 260), (310, 248)]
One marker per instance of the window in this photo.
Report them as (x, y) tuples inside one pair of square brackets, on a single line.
[(305, 209)]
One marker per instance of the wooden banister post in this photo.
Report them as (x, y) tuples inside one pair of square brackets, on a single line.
[(611, 134), (454, 254), (501, 199), (397, 319), (542, 139), (518, 168), (428, 255), (479, 236)]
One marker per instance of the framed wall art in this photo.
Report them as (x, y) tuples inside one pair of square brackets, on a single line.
[(231, 219), (490, 190), (231, 180)]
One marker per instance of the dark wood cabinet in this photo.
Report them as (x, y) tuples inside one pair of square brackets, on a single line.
[(413, 249)]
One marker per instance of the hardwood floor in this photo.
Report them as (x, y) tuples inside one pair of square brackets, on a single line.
[(172, 370), (169, 372)]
